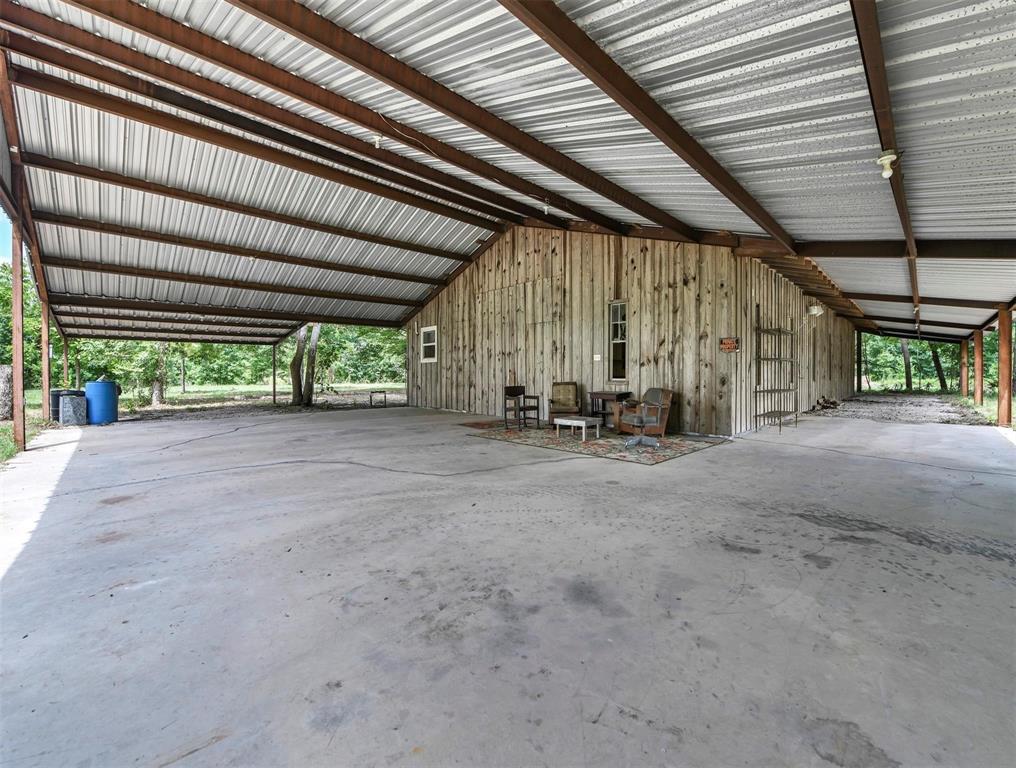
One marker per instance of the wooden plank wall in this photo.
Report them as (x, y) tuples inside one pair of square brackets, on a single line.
[(533, 310)]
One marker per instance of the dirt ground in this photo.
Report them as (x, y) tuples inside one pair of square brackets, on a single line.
[(216, 407), (906, 408)]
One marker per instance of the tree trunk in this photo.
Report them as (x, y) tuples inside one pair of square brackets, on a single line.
[(943, 386), (296, 366), (6, 392), (308, 377), (908, 371), (183, 374), (77, 372), (159, 383)]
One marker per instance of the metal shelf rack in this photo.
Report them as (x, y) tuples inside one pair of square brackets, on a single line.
[(776, 376)]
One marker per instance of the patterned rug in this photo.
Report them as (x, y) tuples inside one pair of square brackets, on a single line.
[(607, 446), (489, 424)]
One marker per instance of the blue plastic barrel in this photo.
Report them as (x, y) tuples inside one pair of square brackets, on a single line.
[(102, 401)]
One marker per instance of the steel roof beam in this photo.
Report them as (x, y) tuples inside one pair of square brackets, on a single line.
[(897, 249), (63, 89), (151, 187), (317, 31), (90, 225), (921, 336), (171, 97), (172, 331), (135, 336), (936, 301), (106, 268), (553, 26), (105, 302), (164, 29), (76, 317), (869, 38), (31, 22), (910, 320), (19, 200), (994, 318)]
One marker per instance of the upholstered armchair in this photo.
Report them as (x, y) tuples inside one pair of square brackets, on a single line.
[(646, 418), (564, 400)]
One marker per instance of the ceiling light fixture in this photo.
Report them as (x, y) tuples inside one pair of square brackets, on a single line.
[(377, 141), (886, 160)]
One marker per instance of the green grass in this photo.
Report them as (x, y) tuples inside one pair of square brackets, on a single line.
[(33, 424), (233, 391), (989, 408)]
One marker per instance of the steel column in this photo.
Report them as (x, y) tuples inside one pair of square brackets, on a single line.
[(44, 348), (978, 367), (858, 381), (964, 370), (17, 334), (1004, 365)]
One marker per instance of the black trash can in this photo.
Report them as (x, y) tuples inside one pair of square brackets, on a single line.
[(54, 401)]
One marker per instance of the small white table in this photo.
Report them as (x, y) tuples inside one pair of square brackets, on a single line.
[(576, 421)]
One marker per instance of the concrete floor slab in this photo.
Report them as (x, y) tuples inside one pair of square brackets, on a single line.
[(380, 588)]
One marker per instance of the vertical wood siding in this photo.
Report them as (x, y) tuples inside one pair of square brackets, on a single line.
[(533, 310)]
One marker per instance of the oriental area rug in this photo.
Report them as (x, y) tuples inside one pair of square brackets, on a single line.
[(607, 446)]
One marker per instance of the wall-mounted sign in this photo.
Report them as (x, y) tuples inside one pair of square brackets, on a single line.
[(730, 344)]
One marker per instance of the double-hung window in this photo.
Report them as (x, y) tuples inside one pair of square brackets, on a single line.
[(619, 341), (428, 344)]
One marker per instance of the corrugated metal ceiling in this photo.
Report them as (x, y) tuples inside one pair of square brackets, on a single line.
[(951, 66), (774, 90), (868, 275)]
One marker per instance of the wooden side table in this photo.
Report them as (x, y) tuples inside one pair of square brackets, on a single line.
[(607, 403)]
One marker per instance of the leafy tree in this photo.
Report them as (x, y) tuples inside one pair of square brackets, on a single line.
[(884, 368), (345, 354)]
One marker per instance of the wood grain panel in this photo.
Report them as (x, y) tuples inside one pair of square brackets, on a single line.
[(533, 310)]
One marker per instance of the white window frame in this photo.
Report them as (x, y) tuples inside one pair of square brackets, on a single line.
[(424, 345), (611, 341)]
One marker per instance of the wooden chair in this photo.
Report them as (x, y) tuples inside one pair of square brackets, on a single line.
[(646, 418), (564, 400), (519, 405)]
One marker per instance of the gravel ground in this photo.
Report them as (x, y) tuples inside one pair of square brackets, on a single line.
[(912, 409)]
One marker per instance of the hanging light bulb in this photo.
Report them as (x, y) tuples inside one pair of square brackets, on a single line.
[(886, 160), (377, 141)]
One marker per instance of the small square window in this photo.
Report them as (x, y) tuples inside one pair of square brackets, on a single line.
[(428, 344)]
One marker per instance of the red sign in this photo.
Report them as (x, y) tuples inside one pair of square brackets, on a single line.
[(730, 344)]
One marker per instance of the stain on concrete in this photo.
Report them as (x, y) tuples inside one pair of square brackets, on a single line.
[(844, 744), (820, 561), (731, 546), (704, 642), (840, 522), (847, 538), (944, 543), (620, 717), (111, 500), (587, 594), (110, 536), (188, 751), (337, 710)]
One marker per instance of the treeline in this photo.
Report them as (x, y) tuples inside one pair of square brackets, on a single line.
[(884, 363), (344, 354)]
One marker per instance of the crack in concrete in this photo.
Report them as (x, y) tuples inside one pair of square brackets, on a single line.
[(327, 462), (207, 437)]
